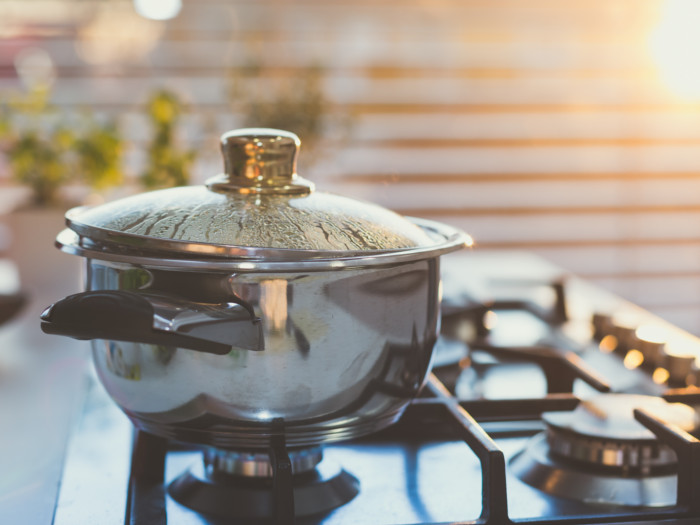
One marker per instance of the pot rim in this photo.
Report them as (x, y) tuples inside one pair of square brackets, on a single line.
[(128, 248), (178, 248)]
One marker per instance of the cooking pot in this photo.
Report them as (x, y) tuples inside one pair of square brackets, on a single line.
[(254, 306)]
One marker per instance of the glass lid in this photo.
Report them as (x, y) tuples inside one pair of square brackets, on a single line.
[(258, 206)]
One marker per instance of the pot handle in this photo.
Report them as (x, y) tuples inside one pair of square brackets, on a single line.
[(120, 315)]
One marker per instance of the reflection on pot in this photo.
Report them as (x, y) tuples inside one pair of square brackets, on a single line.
[(120, 364), (273, 303)]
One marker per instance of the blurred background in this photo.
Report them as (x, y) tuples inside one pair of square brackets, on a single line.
[(566, 128)]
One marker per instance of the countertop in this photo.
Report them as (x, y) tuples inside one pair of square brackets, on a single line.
[(42, 378)]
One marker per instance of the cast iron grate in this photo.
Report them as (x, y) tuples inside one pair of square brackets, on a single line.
[(147, 492)]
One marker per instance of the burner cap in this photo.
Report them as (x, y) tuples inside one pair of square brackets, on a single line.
[(611, 416), (602, 431)]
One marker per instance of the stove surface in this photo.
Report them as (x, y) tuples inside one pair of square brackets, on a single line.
[(415, 472)]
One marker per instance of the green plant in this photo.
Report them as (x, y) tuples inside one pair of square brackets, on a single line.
[(167, 165), (46, 151), (99, 151)]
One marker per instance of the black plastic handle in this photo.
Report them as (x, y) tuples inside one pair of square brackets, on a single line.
[(119, 316)]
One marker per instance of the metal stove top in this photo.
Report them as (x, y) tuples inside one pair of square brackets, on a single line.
[(518, 341)]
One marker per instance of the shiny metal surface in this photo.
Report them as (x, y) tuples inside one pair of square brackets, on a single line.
[(228, 323), (260, 161), (640, 456), (315, 493), (102, 244), (256, 464), (344, 353), (539, 469)]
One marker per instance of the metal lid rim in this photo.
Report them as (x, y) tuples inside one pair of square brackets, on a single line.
[(266, 259)]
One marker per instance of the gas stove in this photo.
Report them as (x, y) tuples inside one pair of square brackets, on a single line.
[(551, 401)]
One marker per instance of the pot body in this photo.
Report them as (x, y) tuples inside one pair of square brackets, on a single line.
[(344, 352)]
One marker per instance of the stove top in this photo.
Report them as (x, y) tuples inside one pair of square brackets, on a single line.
[(548, 403)]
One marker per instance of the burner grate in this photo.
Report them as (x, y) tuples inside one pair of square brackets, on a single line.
[(147, 493), (687, 448)]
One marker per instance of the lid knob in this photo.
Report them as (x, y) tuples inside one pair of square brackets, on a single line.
[(260, 160)]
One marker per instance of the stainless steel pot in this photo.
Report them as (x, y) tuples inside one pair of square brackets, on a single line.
[(254, 306)]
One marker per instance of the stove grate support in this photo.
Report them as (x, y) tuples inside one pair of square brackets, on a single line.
[(560, 368), (494, 504), (282, 482), (687, 449), (147, 491), (494, 494)]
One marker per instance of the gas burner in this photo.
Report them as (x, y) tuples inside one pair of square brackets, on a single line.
[(599, 453), (242, 485), (603, 432)]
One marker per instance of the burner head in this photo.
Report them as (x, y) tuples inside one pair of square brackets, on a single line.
[(257, 464), (602, 432), (239, 486)]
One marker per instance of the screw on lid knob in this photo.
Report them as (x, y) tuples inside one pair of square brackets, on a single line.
[(260, 160)]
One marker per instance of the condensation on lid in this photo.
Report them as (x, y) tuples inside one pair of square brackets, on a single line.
[(316, 221)]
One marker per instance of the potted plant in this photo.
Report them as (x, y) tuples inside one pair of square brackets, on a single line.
[(167, 164), (47, 151)]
